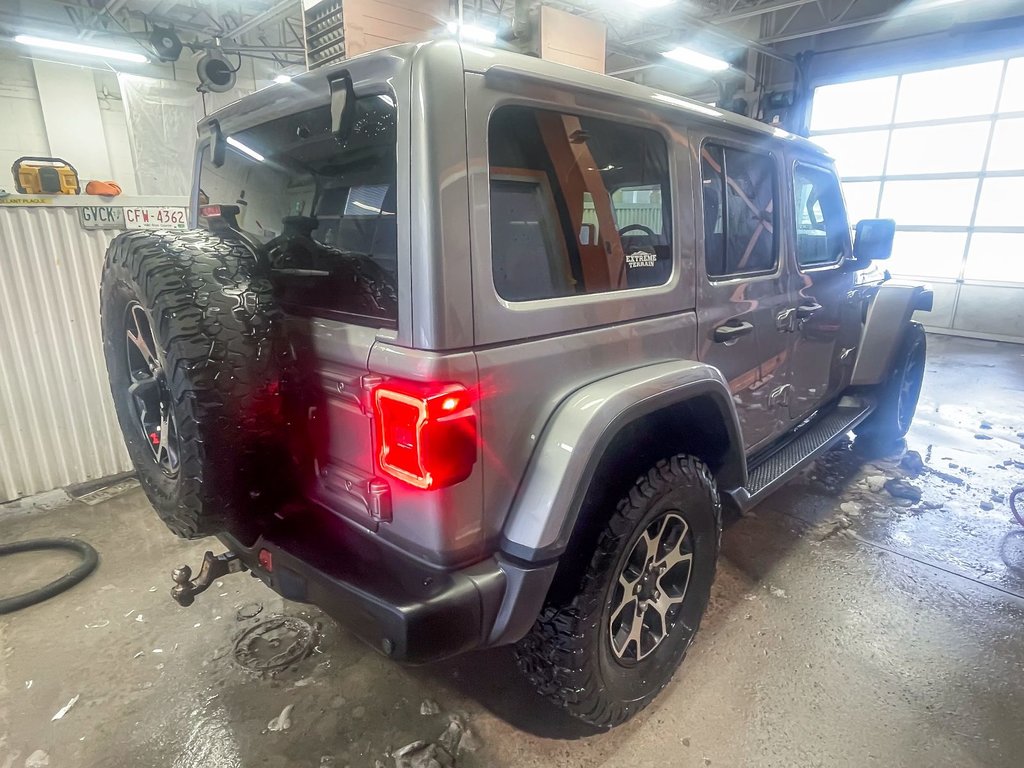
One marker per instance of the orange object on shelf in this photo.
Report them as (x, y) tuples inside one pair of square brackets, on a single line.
[(104, 188)]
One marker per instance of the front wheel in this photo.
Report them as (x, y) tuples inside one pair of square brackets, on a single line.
[(609, 650), (899, 394)]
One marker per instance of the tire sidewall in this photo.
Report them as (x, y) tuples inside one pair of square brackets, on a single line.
[(634, 684), (119, 293), (914, 346)]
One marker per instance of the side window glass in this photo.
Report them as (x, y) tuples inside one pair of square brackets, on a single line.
[(822, 231), (578, 205), (740, 212)]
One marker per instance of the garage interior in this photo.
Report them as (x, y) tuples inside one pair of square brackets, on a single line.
[(852, 621)]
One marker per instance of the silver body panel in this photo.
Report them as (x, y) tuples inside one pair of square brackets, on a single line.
[(554, 376), (545, 507)]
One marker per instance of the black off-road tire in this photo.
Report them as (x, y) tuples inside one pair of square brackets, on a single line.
[(568, 655), (899, 394), (221, 354)]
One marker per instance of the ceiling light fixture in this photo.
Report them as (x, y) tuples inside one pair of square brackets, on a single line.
[(473, 33), (696, 59), (85, 50)]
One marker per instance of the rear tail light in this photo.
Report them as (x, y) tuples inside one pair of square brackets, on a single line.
[(425, 435)]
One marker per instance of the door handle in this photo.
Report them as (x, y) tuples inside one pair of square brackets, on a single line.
[(726, 333), (806, 310), (784, 320)]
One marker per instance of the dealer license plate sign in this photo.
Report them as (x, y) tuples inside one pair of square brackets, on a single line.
[(101, 217), (154, 217)]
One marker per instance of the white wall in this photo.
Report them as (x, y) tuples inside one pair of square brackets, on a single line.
[(22, 131), (87, 124)]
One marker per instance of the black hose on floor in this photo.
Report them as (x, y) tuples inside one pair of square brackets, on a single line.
[(90, 559), (1014, 494)]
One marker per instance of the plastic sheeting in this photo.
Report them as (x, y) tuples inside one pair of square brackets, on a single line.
[(162, 117)]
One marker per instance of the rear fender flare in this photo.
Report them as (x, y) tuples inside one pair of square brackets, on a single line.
[(548, 503), (889, 313)]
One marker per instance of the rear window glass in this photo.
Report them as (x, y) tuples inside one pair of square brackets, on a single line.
[(323, 211), (578, 205)]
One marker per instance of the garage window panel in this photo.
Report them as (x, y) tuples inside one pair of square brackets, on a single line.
[(1013, 88), (927, 254), (996, 257), (861, 153), (862, 199), (1007, 153), (1001, 202), (854, 105), (939, 202), (947, 93), (952, 148)]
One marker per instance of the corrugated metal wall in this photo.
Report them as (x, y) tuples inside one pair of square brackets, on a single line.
[(57, 423)]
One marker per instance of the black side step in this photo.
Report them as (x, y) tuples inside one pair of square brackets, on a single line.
[(774, 469)]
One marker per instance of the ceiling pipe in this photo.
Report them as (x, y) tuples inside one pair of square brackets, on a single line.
[(521, 26), (760, 10), (283, 7)]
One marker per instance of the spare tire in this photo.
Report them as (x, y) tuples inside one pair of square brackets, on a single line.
[(196, 353)]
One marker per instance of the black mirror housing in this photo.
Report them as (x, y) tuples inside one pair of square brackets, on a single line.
[(218, 144), (343, 105), (874, 239)]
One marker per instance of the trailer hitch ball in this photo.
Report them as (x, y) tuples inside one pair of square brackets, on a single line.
[(214, 567)]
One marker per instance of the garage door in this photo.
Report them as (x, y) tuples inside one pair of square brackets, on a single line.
[(941, 152)]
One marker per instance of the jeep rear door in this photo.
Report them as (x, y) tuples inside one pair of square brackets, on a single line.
[(743, 287)]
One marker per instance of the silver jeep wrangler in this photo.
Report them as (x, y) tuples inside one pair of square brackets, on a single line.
[(468, 348)]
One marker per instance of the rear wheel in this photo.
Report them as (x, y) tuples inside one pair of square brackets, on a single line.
[(606, 652), (899, 394), (195, 357)]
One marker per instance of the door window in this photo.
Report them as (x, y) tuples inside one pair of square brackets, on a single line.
[(822, 230), (578, 205), (740, 212)]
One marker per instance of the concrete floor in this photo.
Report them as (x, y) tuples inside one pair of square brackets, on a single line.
[(873, 634)]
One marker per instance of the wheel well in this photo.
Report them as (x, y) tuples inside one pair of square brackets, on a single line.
[(695, 427)]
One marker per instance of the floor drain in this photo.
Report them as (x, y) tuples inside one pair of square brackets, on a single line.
[(274, 643)]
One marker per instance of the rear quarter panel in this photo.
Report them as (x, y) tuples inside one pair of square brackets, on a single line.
[(522, 384)]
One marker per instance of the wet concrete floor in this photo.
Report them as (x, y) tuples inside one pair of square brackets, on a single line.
[(846, 629)]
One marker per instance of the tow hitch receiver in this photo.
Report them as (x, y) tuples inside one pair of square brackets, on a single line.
[(214, 566)]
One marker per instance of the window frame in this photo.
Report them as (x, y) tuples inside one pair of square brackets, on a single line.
[(848, 251), (777, 185), (669, 218)]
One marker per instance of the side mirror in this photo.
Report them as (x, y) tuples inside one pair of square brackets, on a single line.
[(874, 240)]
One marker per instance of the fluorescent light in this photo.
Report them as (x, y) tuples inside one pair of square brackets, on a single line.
[(692, 106), (282, 79), (244, 149), (696, 59), (85, 50), (473, 33)]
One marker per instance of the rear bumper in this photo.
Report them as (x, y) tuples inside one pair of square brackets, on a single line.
[(407, 610)]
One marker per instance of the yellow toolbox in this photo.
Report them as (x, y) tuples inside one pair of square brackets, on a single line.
[(45, 175)]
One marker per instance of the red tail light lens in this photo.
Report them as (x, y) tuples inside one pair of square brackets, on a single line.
[(425, 436)]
